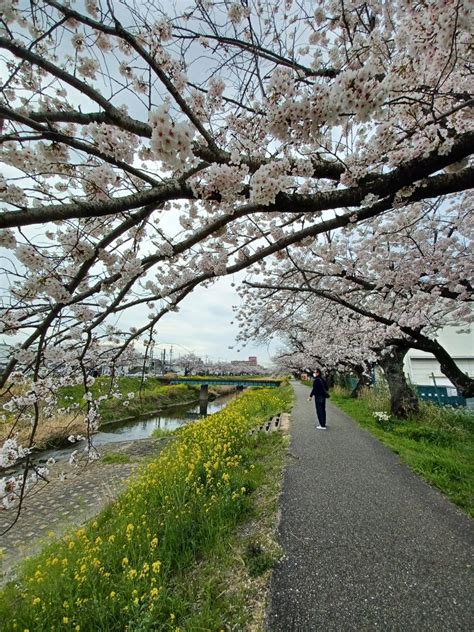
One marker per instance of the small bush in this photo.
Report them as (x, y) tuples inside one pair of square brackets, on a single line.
[(383, 419)]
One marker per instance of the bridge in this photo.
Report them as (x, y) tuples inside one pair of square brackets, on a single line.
[(217, 381)]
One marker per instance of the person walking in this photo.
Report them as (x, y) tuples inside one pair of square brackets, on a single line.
[(321, 393)]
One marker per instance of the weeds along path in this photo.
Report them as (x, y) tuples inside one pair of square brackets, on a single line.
[(50, 509)]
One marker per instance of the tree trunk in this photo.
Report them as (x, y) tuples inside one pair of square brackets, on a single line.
[(403, 401), (363, 381), (331, 378)]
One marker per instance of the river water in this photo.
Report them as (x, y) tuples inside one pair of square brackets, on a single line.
[(166, 420), (142, 427)]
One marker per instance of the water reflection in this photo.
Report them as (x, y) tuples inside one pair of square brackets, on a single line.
[(137, 428), (143, 428)]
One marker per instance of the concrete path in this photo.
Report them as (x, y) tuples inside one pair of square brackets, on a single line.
[(368, 545)]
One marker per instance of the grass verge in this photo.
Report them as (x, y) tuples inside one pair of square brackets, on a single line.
[(183, 549), (116, 457), (438, 444)]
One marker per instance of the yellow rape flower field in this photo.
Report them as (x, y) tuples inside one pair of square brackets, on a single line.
[(184, 548)]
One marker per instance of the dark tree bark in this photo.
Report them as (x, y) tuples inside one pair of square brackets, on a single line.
[(363, 381), (331, 378), (403, 400)]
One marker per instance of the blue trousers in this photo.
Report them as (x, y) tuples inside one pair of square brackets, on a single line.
[(321, 410)]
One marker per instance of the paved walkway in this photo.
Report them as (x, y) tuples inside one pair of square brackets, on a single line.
[(368, 545), (50, 510)]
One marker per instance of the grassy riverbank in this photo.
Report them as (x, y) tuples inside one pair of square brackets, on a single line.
[(126, 397), (129, 396), (186, 546), (438, 444)]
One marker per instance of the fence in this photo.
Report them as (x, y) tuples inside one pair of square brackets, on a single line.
[(439, 395)]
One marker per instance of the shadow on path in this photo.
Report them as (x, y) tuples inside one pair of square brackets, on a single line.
[(368, 544)]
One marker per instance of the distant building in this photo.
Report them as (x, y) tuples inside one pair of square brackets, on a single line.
[(422, 368), (252, 361)]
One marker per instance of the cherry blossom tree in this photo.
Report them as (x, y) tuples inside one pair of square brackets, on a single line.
[(407, 274), (190, 363), (318, 332), (148, 149)]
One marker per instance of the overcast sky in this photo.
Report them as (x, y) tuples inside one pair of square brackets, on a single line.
[(203, 326)]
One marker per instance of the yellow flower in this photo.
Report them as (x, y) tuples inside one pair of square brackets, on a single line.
[(125, 561), (112, 594), (36, 601), (65, 620), (155, 567)]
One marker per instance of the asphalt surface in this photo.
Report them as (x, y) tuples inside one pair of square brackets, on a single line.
[(368, 544)]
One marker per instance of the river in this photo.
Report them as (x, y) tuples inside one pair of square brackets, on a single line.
[(142, 427)]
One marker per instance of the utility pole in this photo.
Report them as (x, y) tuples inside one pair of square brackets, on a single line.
[(171, 357)]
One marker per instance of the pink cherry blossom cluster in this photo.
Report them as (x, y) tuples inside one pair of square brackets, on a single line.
[(269, 180), (170, 141)]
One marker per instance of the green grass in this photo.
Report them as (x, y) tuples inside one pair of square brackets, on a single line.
[(161, 433), (116, 457), (148, 395), (173, 552), (438, 444)]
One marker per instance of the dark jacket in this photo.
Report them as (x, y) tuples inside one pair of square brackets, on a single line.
[(320, 388)]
